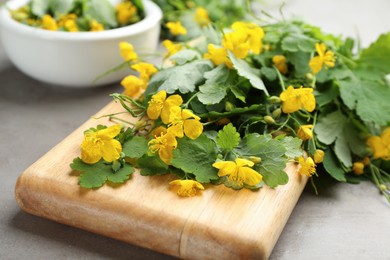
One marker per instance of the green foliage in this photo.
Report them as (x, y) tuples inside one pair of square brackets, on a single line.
[(293, 146), (333, 166), (152, 165), (95, 175), (184, 56), (377, 55), (102, 11), (273, 157), (182, 78), (135, 147), (196, 157), (228, 138)]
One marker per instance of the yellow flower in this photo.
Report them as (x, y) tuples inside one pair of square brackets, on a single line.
[(125, 11), (127, 51), (95, 26), (160, 130), (254, 35), (305, 132), (239, 172), (133, 85), (319, 156), (324, 58), (101, 144), (202, 16), (358, 168), (68, 21), (217, 56), (176, 28), (160, 105), (48, 23), (187, 188), (237, 43), (171, 47), (280, 63), (183, 121), (380, 145), (145, 69), (164, 145), (295, 99), (71, 26), (307, 167)]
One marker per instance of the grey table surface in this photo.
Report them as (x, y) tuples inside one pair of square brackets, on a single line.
[(343, 222)]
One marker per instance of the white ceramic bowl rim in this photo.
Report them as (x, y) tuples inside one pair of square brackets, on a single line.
[(153, 14)]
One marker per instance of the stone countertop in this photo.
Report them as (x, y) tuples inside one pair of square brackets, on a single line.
[(343, 222)]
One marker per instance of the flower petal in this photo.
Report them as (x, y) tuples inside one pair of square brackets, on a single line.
[(225, 167), (192, 128), (111, 150), (250, 176)]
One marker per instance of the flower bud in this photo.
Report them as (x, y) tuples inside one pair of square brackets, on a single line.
[(269, 120), (276, 113), (309, 76), (229, 106), (318, 156), (358, 168), (255, 159), (274, 100), (366, 161), (382, 187)]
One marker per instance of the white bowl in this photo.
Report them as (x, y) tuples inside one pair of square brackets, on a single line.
[(75, 59)]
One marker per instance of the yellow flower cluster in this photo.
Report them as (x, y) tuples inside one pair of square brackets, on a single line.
[(295, 99), (135, 85), (202, 16), (243, 39), (171, 47), (180, 122), (68, 22), (125, 12), (176, 28), (380, 145)]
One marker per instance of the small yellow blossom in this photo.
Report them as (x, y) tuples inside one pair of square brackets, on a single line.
[(366, 161), (95, 26), (68, 22), (125, 11), (127, 51), (184, 122), (217, 56), (324, 58), (101, 144), (237, 43), (186, 188), (171, 47), (133, 85), (48, 23), (254, 35), (280, 63), (319, 156), (202, 16), (176, 28), (159, 130), (71, 26), (239, 172), (358, 168), (307, 167), (380, 145), (305, 132), (164, 145), (160, 105), (295, 99), (145, 69)]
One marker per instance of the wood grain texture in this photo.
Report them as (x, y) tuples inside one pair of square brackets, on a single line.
[(219, 224)]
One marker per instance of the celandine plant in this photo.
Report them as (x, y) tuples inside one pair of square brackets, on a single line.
[(241, 103), (79, 15)]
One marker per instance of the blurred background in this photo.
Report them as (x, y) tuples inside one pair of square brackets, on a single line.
[(343, 222)]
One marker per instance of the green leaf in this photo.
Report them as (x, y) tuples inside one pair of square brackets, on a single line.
[(61, 7), (293, 146), (183, 78), (135, 147), (238, 93), (300, 61), (40, 7), (184, 56), (342, 150), (377, 54), (333, 166), (210, 94), (298, 42), (329, 127), (196, 157), (272, 153), (370, 99), (244, 70), (152, 165), (269, 73), (102, 11), (95, 175), (228, 138)]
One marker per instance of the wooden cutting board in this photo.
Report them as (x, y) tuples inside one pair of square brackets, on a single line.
[(219, 224)]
